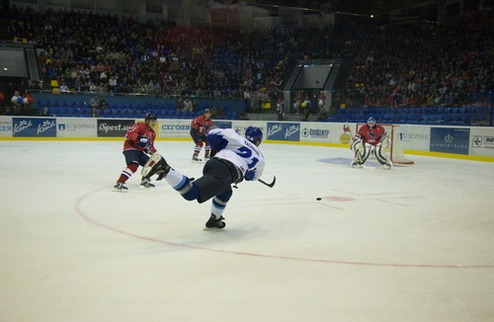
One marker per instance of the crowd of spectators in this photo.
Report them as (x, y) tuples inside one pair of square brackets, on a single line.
[(92, 52), (420, 64), (395, 65)]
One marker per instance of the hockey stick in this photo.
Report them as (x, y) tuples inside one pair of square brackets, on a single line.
[(271, 185), (346, 128)]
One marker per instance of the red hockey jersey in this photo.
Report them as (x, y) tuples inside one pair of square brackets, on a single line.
[(132, 138), (201, 125), (372, 136)]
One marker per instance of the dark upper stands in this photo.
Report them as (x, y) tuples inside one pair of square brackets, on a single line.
[(406, 68)]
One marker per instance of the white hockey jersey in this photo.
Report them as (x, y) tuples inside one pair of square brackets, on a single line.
[(238, 150)]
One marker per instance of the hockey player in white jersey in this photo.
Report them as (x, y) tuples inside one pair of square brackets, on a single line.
[(234, 159)]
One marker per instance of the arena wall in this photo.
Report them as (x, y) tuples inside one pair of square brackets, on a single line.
[(459, 142)]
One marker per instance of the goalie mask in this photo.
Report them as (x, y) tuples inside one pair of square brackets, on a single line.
[(371, 122), (253, 134)]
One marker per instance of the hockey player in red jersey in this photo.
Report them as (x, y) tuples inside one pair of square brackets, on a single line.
[(370, 139), (199, 128), (138, 145)]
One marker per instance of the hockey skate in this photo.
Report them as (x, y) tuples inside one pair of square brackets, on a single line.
[(357, 165), (120, 187), (387, 166), (146, 183), (214, 222), (207, 156), (195, 157), (155, 165)]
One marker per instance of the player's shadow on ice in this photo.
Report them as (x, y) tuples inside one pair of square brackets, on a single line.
[(203, 237)]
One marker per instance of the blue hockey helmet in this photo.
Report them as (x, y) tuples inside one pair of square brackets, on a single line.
[(253, 134), (371, 122)]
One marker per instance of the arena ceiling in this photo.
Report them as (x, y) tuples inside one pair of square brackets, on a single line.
[(364, 7)]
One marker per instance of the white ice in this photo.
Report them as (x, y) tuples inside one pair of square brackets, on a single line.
[(414, 243)]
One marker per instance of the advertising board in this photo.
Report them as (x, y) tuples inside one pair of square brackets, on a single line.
[(34, 127)]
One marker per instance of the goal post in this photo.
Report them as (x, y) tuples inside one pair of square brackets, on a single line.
[(395, 149)]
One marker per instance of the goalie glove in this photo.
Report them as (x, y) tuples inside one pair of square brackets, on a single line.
[(143, 141), (385, 142)]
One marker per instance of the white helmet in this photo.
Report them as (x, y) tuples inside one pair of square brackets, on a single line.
[(371, 122)]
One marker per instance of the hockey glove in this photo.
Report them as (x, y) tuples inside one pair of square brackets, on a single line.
[(386, 142), (143, 141), (249, 175)]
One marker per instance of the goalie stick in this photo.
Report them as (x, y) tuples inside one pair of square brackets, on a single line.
[(346, 128), (271, 185)]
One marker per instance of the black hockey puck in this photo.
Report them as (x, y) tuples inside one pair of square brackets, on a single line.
[(318, 198)]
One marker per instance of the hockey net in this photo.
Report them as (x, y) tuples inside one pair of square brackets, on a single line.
[(395, 150)]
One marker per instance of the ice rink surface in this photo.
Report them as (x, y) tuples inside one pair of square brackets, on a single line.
[(415, 243)]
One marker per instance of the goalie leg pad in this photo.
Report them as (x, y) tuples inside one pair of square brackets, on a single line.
[(381, 157), (366, 152), (357, 161), (356, 145)]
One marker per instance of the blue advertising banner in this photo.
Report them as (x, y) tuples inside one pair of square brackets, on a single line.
[(283, 131), (34, 127), (450, 140)]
